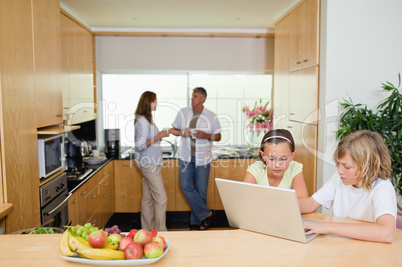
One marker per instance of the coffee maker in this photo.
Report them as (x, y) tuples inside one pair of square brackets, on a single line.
[(112, 143)]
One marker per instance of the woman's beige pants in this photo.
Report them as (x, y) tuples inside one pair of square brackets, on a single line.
[(154, 199)]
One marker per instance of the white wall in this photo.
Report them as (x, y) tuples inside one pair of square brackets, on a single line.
[(184, 53), (360, 49)]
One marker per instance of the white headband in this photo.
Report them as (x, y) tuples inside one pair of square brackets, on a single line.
[(277, 136)]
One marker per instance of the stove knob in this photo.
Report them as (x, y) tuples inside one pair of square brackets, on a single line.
[(61, 185), (57, 189)]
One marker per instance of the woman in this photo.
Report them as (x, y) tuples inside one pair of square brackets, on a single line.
[(148, 156)]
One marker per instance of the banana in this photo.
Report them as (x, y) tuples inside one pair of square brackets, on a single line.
[(77, 242), (101, 254), (64, 249), (113, 245)]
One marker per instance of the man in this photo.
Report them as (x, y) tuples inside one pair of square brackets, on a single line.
[(198, 127)]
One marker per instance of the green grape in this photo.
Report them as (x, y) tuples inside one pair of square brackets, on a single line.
[(93, 229), (88, 225), (78, 232), (109, 239), (85, 234), (86, 237)]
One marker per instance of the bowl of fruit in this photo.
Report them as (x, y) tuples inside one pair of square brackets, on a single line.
[(88, 244)]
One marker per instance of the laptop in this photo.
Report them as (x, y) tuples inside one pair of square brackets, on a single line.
[(263, 209)]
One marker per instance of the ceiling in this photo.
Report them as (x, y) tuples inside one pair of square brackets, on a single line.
[(232, 15)]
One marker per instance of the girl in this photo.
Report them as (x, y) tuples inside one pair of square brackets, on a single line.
[(148, 156), (276, 166), (360, 190)]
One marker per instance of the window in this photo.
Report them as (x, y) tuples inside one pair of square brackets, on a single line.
[(227, 93)]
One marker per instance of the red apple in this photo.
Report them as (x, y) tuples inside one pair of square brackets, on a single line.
[(161, 240), (132, 233), (124, 242), (143, 237), (97, 239), (154, 232), (133, 251), (153, 250)]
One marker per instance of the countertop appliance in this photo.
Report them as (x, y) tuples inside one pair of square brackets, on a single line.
[(112, 143), (54, 202)]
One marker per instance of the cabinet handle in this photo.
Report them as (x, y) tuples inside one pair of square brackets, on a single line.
[(290, 127), (305, 60), (298, 62), (59, 115), (74, 201), (104, 195), (83, 193), (103, 173), (104, 206), (291, 113), (105, 184), (93, 196)]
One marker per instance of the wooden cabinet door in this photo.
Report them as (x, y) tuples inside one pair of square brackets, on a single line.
[(303, 95), (127, 179), (310, 33), (305, 137), (170, 172), (78, 58), (281, 75), (304, 35), (48, 65)]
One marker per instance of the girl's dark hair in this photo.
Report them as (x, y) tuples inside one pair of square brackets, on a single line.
[(277, 136), (144, 106)]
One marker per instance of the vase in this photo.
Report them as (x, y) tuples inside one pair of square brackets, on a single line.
[(253, 137)]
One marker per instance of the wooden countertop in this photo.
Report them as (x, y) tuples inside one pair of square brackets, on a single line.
[(5, 209), (224, 248)]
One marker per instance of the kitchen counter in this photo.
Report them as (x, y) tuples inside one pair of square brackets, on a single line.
[(75, 184), (5, 209), (225, 248)]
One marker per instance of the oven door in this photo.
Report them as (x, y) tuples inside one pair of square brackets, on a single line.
[(56, 211)]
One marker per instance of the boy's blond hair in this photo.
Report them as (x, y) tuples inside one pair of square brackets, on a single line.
[(370, 154)]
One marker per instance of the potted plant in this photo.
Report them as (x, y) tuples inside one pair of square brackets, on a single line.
[(386, 120)]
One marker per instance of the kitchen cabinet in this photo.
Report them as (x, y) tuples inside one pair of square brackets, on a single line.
[(304, 35), (47, 62), (94, 200), (303, 95), (231, 169), (20, 170), (78, 71), (305, 137), (296, 83), (127, 182), (170, 173)]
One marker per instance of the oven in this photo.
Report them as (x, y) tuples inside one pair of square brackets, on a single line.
[(54, 202)]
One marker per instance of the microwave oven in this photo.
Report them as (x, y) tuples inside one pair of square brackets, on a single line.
[(51, 155)]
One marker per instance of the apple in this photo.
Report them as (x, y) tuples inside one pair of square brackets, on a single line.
[(143, 237), (161, 240), (153, 250), (97, 239), (115, 237), (132, 233), (154, 232), (133, 251), (124, 242)]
